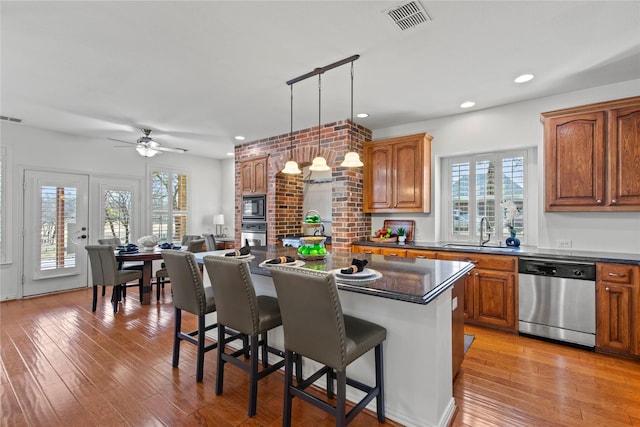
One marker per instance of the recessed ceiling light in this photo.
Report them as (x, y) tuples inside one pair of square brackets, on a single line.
[(362, 115), (231, 154), (239, 137), (524, 78), (467, 104)]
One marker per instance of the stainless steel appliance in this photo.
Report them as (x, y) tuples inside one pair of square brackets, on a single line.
[(255, 233), (254, 208), (557, 300)]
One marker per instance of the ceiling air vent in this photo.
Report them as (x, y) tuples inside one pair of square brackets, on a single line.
[(407, 15), (10, 119)]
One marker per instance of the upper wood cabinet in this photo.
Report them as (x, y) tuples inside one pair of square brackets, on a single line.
[(253, 175), (592, 157), (397, 174)]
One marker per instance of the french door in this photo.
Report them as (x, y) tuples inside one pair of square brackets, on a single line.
[(55, 231)]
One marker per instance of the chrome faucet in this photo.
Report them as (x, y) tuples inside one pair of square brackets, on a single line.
[(482, 229)]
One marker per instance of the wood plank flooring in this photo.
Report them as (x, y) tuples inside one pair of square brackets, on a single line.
[(62, 365)]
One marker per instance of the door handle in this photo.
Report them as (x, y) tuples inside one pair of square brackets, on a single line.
[(84, 236)]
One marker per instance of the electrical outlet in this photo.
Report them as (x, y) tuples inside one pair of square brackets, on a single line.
[(563, 244)]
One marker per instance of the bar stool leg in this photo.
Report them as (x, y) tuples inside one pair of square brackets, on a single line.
[(177, 325), (379, 383), (288, 380), (220, 362), (253, 377), (200, 355), (341, 402)]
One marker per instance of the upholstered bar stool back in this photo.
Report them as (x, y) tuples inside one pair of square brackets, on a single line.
[(210, 241), (162, 276), (315, 327)]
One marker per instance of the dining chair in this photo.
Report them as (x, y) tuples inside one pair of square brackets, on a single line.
[(115, 242), (210, 241), (239, 308), (105, 272), (162, 275), (315, 327)]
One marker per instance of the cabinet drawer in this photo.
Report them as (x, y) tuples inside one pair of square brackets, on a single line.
[(365, 249), (487, 262), (420, 253), (616, 273), (393, 252)]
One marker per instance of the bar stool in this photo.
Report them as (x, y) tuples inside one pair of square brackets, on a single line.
[(315, 327), (239, 308), (189, 294)]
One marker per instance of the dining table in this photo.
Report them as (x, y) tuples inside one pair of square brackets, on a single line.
[(147, 258)]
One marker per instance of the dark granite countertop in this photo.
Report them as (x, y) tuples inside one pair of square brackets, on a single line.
[(522, 251), (406, 279)]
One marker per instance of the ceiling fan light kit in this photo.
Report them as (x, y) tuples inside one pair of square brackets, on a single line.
[(147, 147)]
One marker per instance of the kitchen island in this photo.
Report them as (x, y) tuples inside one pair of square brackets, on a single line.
[(413, 301)]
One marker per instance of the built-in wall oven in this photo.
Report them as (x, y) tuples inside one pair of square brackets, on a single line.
[(255, 233), (254, 208), (557, 300)]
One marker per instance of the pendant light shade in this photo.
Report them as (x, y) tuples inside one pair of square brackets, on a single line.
[(291, 167), (351, 159), (319, 163)]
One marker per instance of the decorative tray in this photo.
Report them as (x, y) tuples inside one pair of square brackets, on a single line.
[(384, 239), (311, 257)]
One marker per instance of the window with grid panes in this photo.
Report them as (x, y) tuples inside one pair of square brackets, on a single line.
[(169, 205), (117, 204), (477, 185)]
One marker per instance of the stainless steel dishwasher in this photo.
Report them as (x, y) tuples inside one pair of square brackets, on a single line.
[(557, 300)]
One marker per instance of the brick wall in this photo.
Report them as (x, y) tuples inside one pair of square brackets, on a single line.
[(284, 198)]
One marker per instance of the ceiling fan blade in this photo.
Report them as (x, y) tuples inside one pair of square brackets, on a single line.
[(122, 140), (171, 150)]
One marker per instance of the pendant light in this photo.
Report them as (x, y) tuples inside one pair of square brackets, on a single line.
[(351, 159), (319, 163), (291, 167)]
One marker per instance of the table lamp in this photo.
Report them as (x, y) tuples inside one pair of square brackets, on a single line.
[(218, 220)]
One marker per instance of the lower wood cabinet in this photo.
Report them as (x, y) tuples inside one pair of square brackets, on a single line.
[(618, 308), (457, 326), (490, 290)]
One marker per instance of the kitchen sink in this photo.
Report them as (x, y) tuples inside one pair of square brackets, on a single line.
[(480, 248)]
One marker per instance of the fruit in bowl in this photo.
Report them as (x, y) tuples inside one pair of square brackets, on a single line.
[(312, 219), (384, 233)]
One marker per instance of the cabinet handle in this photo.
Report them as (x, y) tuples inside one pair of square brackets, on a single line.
[(368, 252), (614, 201), (393, 254), (477, 274), (421, 256), (617, 275), (472, 261), (606, 289), (599, 201)]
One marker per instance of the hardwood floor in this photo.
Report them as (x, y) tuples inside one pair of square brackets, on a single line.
[(62, 365)]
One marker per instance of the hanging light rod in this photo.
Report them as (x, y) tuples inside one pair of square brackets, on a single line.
[(321, 70)]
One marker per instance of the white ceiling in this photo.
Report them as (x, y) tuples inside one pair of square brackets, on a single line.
[(200, 72)]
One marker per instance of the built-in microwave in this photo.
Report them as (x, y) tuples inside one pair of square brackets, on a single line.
[(254, 208)]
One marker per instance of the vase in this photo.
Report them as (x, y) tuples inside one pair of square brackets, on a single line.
[(401, 240)]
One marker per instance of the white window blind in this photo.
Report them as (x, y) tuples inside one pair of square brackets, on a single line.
[(169, 205), (58, 210), (477, 185)]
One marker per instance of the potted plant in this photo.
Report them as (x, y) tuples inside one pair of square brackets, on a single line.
[(402, 235)]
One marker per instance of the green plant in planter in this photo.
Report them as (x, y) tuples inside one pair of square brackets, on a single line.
[(401, 231)]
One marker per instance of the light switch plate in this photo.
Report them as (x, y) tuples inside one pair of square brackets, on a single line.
[(563, 243)]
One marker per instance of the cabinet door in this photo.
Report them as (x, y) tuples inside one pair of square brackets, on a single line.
[(421, 253), (574, 162), (494, 298), (468, 296), (624, 158), (457, 326), (407, 167), (614, 310), (378, 177), (260, 168), (246, 177)]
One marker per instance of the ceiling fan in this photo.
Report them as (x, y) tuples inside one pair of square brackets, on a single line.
[(147, 147)]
